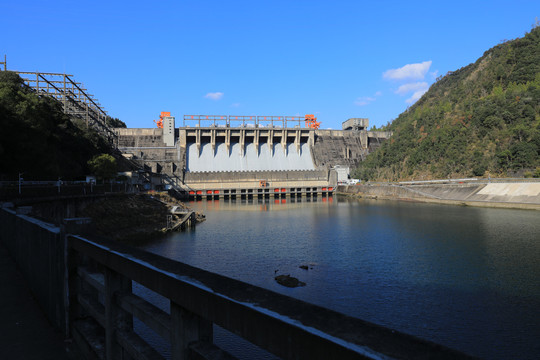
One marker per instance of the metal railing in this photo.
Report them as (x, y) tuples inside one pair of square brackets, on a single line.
[(455, 181), (10, 190), (244, 121)]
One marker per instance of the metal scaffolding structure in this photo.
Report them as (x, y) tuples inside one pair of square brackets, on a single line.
[(75, 99)]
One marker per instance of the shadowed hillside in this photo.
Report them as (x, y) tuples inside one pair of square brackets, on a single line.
[(38, 139)]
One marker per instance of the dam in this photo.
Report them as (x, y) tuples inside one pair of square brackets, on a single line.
[(219, 156), (216, 156)]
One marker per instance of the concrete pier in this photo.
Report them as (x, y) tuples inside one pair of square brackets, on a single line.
[(260, 193)]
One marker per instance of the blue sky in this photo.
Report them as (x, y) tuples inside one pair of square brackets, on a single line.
[(335, 59)]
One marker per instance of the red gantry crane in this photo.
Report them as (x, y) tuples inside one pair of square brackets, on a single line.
[(311, 122), (159, 123)]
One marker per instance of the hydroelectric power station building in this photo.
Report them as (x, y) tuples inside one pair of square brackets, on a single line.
[(248, 156)]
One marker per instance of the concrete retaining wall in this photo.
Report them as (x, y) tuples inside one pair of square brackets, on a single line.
[(470, 194), (38, 249), (139, 137), (339, 148), (520, 193), (527, 193), (398, 192), (447, 191)]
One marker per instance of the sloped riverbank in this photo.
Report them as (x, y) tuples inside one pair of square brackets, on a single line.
[(502, 195)]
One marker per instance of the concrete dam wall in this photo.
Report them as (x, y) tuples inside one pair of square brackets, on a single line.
[(229, 151), (261, 158), (325, 148)]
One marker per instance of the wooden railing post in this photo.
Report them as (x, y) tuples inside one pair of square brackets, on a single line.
[(187, 328), (73, 289), (115, 317)]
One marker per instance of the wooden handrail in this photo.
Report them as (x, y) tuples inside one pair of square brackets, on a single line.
[(287, 327)]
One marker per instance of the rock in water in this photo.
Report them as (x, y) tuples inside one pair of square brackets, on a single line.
[(289, 281)]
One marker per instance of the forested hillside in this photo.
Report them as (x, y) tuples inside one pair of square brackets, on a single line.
[(38, 139), (480, 120)]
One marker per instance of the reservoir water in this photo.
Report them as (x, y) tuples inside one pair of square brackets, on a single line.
[(465, 277)]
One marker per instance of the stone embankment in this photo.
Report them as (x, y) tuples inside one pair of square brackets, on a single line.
[(522, 195), (136, 218)]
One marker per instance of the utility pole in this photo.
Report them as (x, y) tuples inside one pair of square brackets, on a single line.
[(5, 63)]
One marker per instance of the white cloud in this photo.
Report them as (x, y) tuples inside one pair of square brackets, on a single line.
[(235, 105), (417, 86), (365, 100), (410, 71), (417, 95), (214, 95)]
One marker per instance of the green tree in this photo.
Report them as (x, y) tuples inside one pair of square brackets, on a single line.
[(104, 166), (37, 138), (115, 122), (484, 117)]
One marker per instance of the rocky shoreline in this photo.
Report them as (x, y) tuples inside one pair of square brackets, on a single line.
[(134, 218)]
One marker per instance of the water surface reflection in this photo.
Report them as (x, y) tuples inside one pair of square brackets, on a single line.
[(461, 276)]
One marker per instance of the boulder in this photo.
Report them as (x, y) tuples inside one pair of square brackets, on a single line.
[(289, 281)]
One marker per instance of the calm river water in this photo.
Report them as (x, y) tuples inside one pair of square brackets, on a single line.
[(465, 277)]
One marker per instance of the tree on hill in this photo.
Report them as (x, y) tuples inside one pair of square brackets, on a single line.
[(103, 166), (37, 138), (115, 122), (481, 119)]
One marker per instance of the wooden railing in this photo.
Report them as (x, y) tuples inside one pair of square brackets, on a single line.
[(103, 307)]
